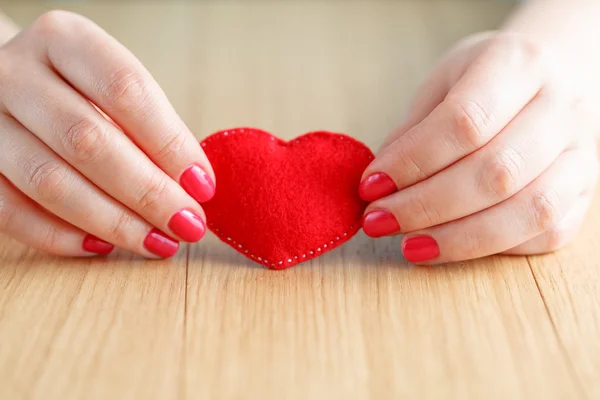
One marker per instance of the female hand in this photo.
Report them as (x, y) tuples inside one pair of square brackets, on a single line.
[(91, 152), (498, 155)]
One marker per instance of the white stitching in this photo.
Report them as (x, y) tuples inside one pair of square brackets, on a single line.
[(304, 137), (289, 260)]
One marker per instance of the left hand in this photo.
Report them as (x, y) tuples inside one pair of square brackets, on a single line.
[(498, 155)]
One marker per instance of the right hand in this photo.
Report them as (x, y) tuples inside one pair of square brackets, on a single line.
[(92, 154)]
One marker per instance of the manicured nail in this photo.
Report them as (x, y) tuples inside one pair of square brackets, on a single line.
[(187, 225), (93, 244), (198, 184), (160, 244), (420, 248), (380, 223), (376, 186)]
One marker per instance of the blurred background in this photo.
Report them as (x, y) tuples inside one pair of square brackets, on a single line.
[(363, 60)]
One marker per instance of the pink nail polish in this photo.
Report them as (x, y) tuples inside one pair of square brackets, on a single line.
[(187, 225), (160, 244), (93, 244), (198, 184), (380, 223), (420, 248), (376, 186)]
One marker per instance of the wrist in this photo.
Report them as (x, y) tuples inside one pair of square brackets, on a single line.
[(566, 30)]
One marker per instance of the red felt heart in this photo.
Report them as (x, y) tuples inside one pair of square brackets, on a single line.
[(281, 203)]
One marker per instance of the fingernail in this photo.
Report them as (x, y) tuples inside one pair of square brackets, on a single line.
[(420, 248), (198, 184), (376, 186), (93, 244), (380, 223), (160, 244), (187, 225)]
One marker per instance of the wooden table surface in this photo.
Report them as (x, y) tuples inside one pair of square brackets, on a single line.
[(357, 323)]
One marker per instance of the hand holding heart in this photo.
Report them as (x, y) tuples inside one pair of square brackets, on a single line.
[(498, 155), (92, 154)]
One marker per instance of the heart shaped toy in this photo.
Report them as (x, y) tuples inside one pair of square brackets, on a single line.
[(282, 203)]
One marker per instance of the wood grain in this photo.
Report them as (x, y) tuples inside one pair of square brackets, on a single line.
[(94, 329), (569, 282), (358, 322)]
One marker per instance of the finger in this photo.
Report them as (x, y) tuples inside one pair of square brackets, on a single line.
[(534, 210), (109, 75), (74, 129), (49, 181), (566, 230), (437, 84), (558, 236), (489, 95), (18, 214), (513, 159), (429, 96)]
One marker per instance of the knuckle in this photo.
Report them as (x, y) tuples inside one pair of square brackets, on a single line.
[(500, 175), (420, 206), (52, 240), (119, 231), (153, 193), (470, 245), (556, 239), (53, 23), (128, 89), (545, 205), (469, 122), (518, 49), (174, 143), (48, 180), (86, 139), (401, 155)]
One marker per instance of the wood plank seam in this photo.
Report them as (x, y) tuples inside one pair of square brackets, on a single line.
[(183, 358), (563, 349)]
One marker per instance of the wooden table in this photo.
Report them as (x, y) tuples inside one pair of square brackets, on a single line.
[(357, 323)]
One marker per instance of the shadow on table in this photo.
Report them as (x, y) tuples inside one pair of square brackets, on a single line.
[(361, 251), (16, 256)]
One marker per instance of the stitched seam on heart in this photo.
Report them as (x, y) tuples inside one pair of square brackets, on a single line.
[(306, 255), (290, 260)]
